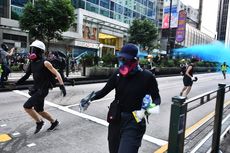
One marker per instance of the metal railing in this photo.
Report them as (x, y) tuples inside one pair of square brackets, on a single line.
[(179, 110)]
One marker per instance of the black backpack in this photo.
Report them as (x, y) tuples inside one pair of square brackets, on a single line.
[(183, 70)]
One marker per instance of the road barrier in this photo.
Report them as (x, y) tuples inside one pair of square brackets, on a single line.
[(179, 110)]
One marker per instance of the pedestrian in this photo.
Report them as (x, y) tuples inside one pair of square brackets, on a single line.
[(224, 68), (4, 63), (42, 70), (59, 63), (131, 84), (188, 78)]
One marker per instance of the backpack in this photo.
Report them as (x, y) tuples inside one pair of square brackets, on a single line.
[(183, 69)]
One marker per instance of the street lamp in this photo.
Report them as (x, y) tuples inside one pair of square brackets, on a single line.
[(169, 29)]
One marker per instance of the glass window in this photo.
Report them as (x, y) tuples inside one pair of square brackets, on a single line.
[(94, 1), (119, 17), (79, 4), (104, 12), (19, 2), (112, 16), (112, 5), (144, 2), (150, 5), (118, 8), (105, 3), (150, 13), (91, 7), (136, 15), (128, 12), (127, 20)]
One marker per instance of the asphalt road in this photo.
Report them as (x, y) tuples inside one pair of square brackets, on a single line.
[(87, 132)]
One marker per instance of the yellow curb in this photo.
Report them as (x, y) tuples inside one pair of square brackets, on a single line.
[(191, 129), (4, 137)]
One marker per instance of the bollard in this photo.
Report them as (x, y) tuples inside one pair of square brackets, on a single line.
[(218, 118), (177, 125)]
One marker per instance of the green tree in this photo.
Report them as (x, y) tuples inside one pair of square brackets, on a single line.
[(143, 32), (47, 19)]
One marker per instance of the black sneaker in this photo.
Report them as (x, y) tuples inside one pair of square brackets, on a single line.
[(53, 126), (39, 126)]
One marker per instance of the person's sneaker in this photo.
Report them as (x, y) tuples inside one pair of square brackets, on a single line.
[(53, 126), (39, 126)]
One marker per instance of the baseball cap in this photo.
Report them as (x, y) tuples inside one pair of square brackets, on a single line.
[(128, 51)]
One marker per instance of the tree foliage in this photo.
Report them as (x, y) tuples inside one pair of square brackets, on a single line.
[(143, 32), (47, 19)]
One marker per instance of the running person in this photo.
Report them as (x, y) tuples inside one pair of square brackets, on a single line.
[(224, 68), (188, 79), (41, 70)]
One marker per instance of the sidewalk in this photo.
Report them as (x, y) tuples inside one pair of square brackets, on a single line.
[(18, 75)]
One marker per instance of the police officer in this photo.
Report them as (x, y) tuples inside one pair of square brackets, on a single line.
[(131, 84), (41, 70), (4, 67)]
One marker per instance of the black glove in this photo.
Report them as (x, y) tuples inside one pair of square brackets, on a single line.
[(62, 87)]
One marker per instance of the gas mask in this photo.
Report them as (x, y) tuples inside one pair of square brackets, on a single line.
[(126, 66), (35, 53)]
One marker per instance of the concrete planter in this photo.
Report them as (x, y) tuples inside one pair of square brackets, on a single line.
[(105, 72), (99, 71)]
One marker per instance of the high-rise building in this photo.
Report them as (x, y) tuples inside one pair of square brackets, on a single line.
[(222, 20), (105, 22)]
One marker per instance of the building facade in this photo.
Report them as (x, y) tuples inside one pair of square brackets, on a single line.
[(222, 20), (192, 36), (101, 25)]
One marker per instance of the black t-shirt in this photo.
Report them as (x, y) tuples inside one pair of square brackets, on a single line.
[(131, 90), (40, 75)]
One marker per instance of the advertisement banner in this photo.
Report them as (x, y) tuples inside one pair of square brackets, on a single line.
[(174, 18), (167, 3), (181, 29)]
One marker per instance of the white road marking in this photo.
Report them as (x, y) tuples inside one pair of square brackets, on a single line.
[(3, 125), (104, 99), (15, 133), (31, 145), (92, 118)]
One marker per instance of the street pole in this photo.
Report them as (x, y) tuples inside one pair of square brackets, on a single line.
[(169, 29)]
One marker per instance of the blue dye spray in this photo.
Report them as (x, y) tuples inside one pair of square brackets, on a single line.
[(214, 52)]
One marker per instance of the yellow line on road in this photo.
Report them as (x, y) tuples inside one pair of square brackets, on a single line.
[(191, 129), (4, 137)]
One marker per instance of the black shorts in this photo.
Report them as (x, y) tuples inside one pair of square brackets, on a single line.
[(36, 101), (187, 81)]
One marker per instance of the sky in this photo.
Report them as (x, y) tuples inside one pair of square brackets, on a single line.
[(209, 14)]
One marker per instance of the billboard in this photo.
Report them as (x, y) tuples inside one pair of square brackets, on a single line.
[(180, 32), (167, 3), (174, 17)]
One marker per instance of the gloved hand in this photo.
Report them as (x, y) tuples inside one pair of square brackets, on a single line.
[(85, 102), (62, 87), (194, 79), (153, 109)]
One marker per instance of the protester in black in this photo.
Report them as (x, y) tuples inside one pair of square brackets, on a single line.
[(131, 84), (42, 70), (59, 63), (188, 79), (4, 66)]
